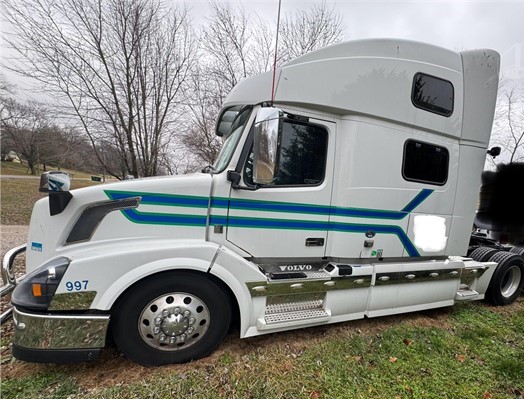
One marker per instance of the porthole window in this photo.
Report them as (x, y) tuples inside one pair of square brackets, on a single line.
[(432, 94)]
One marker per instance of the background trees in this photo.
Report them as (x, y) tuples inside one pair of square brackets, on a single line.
[(118, 67), (508, 124), (234, 45), (140, 82)]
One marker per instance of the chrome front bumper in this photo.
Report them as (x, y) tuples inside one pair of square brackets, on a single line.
[(58, 338), (8, 277)]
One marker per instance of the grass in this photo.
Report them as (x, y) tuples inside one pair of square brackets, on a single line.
[(16, 168), (19, 195), (476, 352), (469, 351)]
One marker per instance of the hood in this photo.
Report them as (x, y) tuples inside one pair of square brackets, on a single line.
[(173, 207)]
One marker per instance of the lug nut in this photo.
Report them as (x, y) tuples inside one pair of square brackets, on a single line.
[(156, 330), (183, 337), (162, 338), (158, 321), (172, 340), (177, 310), (165, 313), (190, 330), (187, 313), (192, 321)]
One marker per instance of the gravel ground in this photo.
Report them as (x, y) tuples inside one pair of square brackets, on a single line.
[(12, 236)]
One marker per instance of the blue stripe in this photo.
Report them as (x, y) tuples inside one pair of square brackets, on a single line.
[(279, 207), (419, 198), (362, 228), (164, 199), (200, 221), (164, 218), (203, 202), (268, 206), (269, 223), (311, 225), (369, 213)]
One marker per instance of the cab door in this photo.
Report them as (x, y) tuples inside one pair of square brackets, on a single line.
[(288, 217)]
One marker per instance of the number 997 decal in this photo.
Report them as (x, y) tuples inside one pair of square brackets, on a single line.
[(76, 285)]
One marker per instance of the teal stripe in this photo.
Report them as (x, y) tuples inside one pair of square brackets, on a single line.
[(270, 206)]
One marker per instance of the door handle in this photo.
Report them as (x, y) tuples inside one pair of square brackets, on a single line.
[(315, 242)]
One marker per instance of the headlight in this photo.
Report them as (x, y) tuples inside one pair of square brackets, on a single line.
[(37, 289)]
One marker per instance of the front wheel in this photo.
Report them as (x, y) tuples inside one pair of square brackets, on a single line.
[(508, 280), (171, 318)]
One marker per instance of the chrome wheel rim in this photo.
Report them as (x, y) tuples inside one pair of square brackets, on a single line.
[(510, 281), (174, 321)]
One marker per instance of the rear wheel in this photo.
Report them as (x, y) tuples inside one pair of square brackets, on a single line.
[(519, 250), (483, 254), (171, 318), (508, 280)]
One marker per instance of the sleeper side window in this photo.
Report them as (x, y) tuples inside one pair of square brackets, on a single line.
[(425, 163)]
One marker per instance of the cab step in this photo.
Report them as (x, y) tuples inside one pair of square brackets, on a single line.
[(293, 314), (466, 294), (296, 316)]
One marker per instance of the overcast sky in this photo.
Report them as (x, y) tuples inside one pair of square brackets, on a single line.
[(456, 25)]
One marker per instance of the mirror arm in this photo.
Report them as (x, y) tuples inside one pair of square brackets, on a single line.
[(234, 177)]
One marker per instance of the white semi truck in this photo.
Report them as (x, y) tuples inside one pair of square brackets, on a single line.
[(350, 194)]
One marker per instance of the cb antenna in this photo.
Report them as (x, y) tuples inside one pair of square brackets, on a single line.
[(276, 50)]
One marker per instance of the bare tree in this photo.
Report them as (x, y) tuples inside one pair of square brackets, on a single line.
[(203, 105), (508, 125), (234, 47), (225, 41), (24, 130), (120, 64), (309, 30)]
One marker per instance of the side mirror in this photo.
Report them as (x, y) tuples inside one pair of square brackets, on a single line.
[(494, 152), (265, 145), (57, 184), (54, 181)]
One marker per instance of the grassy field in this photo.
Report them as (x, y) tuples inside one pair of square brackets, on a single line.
[(15, 168), (19, 195), (469, 351)]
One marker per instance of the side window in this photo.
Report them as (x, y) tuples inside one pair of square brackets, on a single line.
[(432, 94), (301, 158), (425, 163)]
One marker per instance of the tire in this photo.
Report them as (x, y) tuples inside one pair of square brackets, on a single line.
[(519, 250), (508, 280), (471, 249), (171, 318), (483, 254)]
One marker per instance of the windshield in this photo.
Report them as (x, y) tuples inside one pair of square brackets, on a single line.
[(232, 139)]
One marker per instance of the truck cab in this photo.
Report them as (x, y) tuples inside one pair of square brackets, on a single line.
[(348, 192)]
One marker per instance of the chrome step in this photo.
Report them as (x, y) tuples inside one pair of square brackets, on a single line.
[(295, 316), (293, 306), (466, 294)]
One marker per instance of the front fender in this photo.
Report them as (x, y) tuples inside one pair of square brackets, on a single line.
[(109, 270), (235, 271)]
